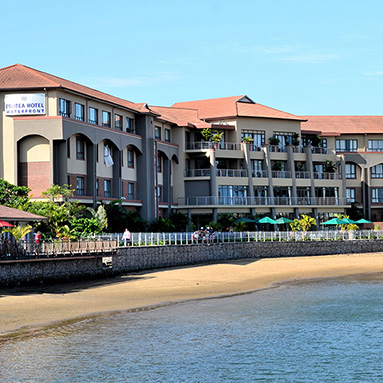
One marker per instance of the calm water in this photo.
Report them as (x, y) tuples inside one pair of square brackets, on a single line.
[(327, 331)]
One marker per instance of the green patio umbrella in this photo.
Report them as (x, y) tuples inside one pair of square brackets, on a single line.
[(362, 221), (282, 220), (334, 221), (267, 220), (246, 220), (348, 221)]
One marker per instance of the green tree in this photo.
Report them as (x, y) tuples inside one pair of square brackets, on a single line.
[(18, 232), (206, 134), (180, 221), (161, 225), (13, 196), (303, 224), (57, 191)]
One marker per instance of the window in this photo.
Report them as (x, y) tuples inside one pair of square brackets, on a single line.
[(130, 158), (93, 116), (130, 125), (107, 188), (167, 135), (350, 195), (377, 195), (157, 132), (159, 164), (64, 108), (159, 193), (377, 171), (131, 190), (231, 195), (258, 137), (375, 145), (68, 147), (79, 112), (97, 187), (350, 171), (346, 145), (80, 154), (118, 121), (106, 119), (80, 186)]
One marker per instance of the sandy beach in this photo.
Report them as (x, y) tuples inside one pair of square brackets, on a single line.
[(29, 308)]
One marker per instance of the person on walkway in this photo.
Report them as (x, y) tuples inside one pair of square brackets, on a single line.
[(37, 242), (126, 237)]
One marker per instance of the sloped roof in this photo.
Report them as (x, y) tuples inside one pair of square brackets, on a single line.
[(180, 116), (22, 77), (330, 125), (235, 106), (10, 214)]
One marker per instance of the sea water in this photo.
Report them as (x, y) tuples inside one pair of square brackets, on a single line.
[(323, 331)]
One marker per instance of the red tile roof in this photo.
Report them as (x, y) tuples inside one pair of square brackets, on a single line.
[(235, 106), (180, 116), (22, 77), (332, 125)]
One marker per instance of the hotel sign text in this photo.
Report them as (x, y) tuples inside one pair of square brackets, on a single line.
[(24, 104)]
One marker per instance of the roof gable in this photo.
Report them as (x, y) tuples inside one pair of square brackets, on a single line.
[(18, 76)]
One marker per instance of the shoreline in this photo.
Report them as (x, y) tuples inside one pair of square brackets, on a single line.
[(26, 311)]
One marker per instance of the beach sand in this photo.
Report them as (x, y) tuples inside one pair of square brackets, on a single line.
[(26, 309)]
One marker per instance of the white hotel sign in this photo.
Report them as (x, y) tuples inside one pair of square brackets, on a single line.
[(24, 104)]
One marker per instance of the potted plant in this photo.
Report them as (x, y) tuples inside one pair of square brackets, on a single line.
[(274, 140)]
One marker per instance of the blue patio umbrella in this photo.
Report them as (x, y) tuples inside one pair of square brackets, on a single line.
[(267, 220), (348, 221), (246, 220), (334, 221), (360, 221), (282, 220)]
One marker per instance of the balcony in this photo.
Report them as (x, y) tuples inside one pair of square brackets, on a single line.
[(327, 176), (280, 174), (231, 173), (259, 173), (263, 201), (302, 175), (197, 173)]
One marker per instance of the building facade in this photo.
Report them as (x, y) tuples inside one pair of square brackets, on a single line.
[(157, 160)]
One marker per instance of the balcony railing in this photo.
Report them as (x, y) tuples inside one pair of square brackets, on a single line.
[(302, 175), (197, 173), (231, 173), (276, 149), (259, 173), (327, 176), (228, 146), (280, 174), (263, 201)]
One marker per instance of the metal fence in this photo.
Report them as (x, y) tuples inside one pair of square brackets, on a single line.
[(109, 243), (164, 239)]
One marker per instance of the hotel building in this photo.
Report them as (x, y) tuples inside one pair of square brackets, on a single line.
[(156, 159)]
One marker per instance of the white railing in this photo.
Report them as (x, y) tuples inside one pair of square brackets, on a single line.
[(199, 145), (327, 176), (280, 174), (200, 237), (262, 201), (302, 175), (229, 146), (231, 173), (197, 173), (259, 173)]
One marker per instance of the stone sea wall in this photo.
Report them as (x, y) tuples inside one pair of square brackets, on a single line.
[(53, 270)]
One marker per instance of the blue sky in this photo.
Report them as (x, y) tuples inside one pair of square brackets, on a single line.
[(303, 57)]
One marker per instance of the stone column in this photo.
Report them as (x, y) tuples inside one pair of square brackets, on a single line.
[(117, 184), (246, 153), (60, 162), (167, 187)]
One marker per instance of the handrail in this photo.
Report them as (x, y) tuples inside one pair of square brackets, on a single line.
[(262, 201)]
